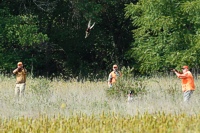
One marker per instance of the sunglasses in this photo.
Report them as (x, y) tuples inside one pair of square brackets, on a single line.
[(114, 67)]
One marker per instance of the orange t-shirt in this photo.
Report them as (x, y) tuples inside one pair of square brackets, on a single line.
[(187, 81), (113, 76)]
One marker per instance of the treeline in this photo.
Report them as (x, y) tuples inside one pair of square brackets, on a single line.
[(167, 34), (49, 36)]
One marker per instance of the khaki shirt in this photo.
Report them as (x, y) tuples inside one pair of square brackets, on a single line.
[(21, 76)]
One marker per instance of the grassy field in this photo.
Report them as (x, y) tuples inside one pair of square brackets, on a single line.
[(58, 106)]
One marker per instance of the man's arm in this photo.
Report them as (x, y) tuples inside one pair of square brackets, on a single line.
[(15, 71), (109, 80), (181, 76), (25, 70)]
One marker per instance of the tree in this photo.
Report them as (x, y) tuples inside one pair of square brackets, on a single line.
[(108, 42), (167, 34), (18, 35), (51, 35)]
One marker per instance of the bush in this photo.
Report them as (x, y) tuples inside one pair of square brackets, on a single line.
[(126, 84)]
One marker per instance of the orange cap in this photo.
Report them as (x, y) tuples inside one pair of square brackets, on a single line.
[(185, 67), (19, 63)]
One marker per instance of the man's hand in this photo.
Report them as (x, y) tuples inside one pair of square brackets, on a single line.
[(110, 85), (19, 67), (174, 70)]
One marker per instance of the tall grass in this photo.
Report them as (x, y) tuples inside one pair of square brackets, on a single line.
[(67, 99), (148, 123), (43, 96)]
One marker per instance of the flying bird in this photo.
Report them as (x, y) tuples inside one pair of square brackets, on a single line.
[(87, 32)]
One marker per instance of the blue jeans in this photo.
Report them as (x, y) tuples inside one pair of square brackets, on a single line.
[(187, 95)]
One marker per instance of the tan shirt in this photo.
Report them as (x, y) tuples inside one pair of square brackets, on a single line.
[(21, 76)]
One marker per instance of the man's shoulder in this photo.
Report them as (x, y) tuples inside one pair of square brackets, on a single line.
[(24, 69), (188, 72), (110, 73), (114, 72)]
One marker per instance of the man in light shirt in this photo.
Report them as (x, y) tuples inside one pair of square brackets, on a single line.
[(20, 73)]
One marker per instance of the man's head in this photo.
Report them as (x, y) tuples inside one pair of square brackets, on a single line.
[(185, 68), (20, 64), (115, 67)]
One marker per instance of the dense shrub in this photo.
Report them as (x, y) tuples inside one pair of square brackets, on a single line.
[(127, 83)]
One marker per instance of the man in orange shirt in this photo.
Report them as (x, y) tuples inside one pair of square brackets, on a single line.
[(113, 75), (188, 85), (20, 79)]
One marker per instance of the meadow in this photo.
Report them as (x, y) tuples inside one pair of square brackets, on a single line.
[(71, 106)]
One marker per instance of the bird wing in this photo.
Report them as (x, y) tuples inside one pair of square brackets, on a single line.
[(89, 23), (92, 25)]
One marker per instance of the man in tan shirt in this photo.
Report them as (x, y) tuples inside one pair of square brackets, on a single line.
[(20, 79)]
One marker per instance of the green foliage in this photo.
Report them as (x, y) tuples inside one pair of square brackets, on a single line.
[(127, 83), (19, 36), (167, 33), (128, 72), (23, 31), (106, 43), (49, 36)]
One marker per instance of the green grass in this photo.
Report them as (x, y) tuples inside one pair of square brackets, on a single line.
[(67, 99)]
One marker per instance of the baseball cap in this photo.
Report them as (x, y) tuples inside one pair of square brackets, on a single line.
[(185, 67), (19, 63)]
